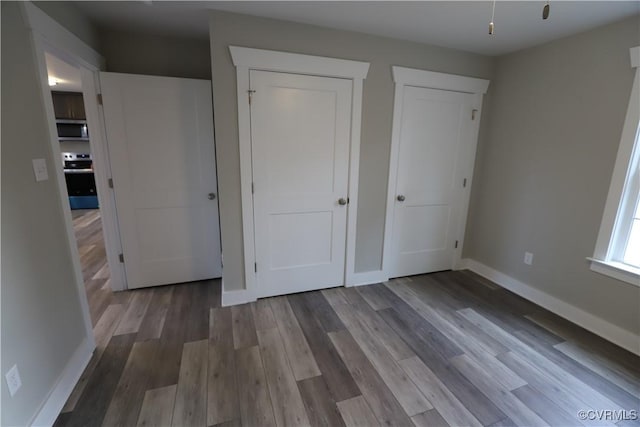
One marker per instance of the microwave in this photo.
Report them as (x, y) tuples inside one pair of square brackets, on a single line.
[(72, 130)]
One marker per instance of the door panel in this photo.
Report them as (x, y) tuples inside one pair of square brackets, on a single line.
[(425, 222), (298, 231), (161, 147), (300, 130)]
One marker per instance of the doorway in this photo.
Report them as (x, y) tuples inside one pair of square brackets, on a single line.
[(153, 159), (435, 129), (163, 172), (78, 165), (299, 159), (300, 127)]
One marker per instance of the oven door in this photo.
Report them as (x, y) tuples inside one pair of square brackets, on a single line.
[(80, 183), (81, 186)]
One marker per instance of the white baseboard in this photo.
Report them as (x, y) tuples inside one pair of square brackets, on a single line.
[(367, 278), (597, 325), (61, 391), (240, 296)]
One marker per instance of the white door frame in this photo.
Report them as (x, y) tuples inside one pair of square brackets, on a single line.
[(403, 77), (246, 59), (49, 36)]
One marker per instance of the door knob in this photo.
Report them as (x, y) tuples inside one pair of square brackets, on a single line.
[(342, 201), (400, 198), (211, 196)]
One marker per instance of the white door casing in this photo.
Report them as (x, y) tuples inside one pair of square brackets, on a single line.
[(161, 146), (300, 132), (247, 59), (48, 36), (434, 137)]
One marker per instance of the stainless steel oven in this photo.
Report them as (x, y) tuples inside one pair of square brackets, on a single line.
[(81, 183)]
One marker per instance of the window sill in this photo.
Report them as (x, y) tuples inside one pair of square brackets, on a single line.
[(616, 270)]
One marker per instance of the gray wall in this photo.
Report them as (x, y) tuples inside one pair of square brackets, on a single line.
[(544, 171), (69, 16), (242, 30), (42, 323), (130, 52)]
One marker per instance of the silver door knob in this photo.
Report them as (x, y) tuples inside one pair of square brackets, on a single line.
[(342, 201), (400, 198), (211, 196)]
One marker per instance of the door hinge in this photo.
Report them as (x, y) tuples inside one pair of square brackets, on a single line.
[(99, 99), (250, 92), (121, 257), (255, 267), (464, 183), (110, 182), (252, 188), (473, 114), (456, 245)]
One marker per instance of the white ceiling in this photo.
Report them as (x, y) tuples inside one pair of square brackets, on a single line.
[(67, 76), (455, 24)]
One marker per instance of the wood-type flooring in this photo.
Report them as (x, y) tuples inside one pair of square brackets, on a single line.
[(442, 349)]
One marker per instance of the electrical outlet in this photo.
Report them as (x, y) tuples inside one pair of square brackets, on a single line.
[(13, 380), (40, 169), (528, 258)]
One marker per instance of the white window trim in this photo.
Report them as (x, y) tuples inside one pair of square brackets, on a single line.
[(601, 261), (246, 59)]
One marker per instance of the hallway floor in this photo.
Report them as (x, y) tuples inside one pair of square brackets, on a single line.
[(87, 225)]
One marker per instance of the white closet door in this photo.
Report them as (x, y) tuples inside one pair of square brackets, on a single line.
[(300, 133), (161, 147), (427, 204)]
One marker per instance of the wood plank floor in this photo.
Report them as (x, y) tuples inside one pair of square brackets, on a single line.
[(441, 349), (87, 225)]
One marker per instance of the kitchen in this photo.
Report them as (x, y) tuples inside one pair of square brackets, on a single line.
[(73, 135)]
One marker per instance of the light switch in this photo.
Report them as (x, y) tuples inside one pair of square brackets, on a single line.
[(40, 169)]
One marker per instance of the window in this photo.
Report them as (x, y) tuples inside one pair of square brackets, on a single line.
[(632, 250), (625, 246), (617, 251)]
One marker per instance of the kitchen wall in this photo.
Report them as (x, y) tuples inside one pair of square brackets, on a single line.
[(42, 324), (242, 30), (135, 53), (543, 171)]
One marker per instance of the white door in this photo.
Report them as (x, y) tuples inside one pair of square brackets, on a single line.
[(161, 148), (429, 184), (300, 133)]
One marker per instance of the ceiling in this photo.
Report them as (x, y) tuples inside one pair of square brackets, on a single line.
[(455, 24), (68, 77)]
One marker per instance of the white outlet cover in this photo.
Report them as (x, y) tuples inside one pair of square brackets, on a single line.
[(40, 169), (528, 258), (13, 380)]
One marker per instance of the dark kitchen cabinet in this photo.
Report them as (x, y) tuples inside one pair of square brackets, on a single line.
[(68, 105)]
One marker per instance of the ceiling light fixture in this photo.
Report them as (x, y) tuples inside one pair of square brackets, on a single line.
[(545, 10), (493, 12), (53, 81)]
